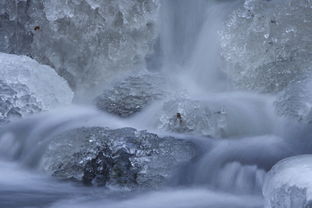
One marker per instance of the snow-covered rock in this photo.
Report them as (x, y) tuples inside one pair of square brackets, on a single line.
[(120, 157), (289, 183), (28, 87)]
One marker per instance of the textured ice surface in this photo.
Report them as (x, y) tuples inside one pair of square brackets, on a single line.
[(131, 95), (123, 157), (217, 114), (193, 117), (86, 41), (268, 43), (15, 101), (295, 101), (15, 37), (289, 183), (28, 87)]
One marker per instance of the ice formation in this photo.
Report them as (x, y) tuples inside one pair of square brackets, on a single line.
[(86, 41), (121, 157), (28, 87), (15, 101), (131, 95), (268, 43), (15, 36), (193, 117), (295, 102), (289, 184)]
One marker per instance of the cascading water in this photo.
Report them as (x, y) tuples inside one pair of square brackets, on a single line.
[(189, 43), (179, 81)]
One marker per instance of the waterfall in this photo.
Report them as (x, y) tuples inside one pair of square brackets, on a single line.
[(151, 103)]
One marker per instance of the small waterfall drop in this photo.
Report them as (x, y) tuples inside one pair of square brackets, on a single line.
[(235, 136)]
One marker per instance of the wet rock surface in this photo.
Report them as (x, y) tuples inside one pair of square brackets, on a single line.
[(122, 157), (131, 95)]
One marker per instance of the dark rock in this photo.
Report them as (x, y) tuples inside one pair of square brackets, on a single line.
[(98, 168), (131, 95), (122, 157)]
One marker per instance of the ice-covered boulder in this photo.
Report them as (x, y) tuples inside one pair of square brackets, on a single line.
[(217, 115), (15, 101), (268, 43), (131, 95), (28, 87), (295, 102), (120, 157), (193, 117), (288, 184), (85, 41)]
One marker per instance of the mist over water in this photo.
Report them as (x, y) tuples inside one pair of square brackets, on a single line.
[(236, 131)]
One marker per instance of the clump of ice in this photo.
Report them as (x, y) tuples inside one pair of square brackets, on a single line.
[(193, 117), (267, 43), (289, 184), (295, 102), (85, 41), (121, 157), (27, 86), (217, 115), (15, 36), (16, 101)]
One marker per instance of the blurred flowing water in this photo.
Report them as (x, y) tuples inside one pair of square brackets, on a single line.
[(231, 162)]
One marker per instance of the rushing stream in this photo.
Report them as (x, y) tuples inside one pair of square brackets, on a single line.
[(176, 103)]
